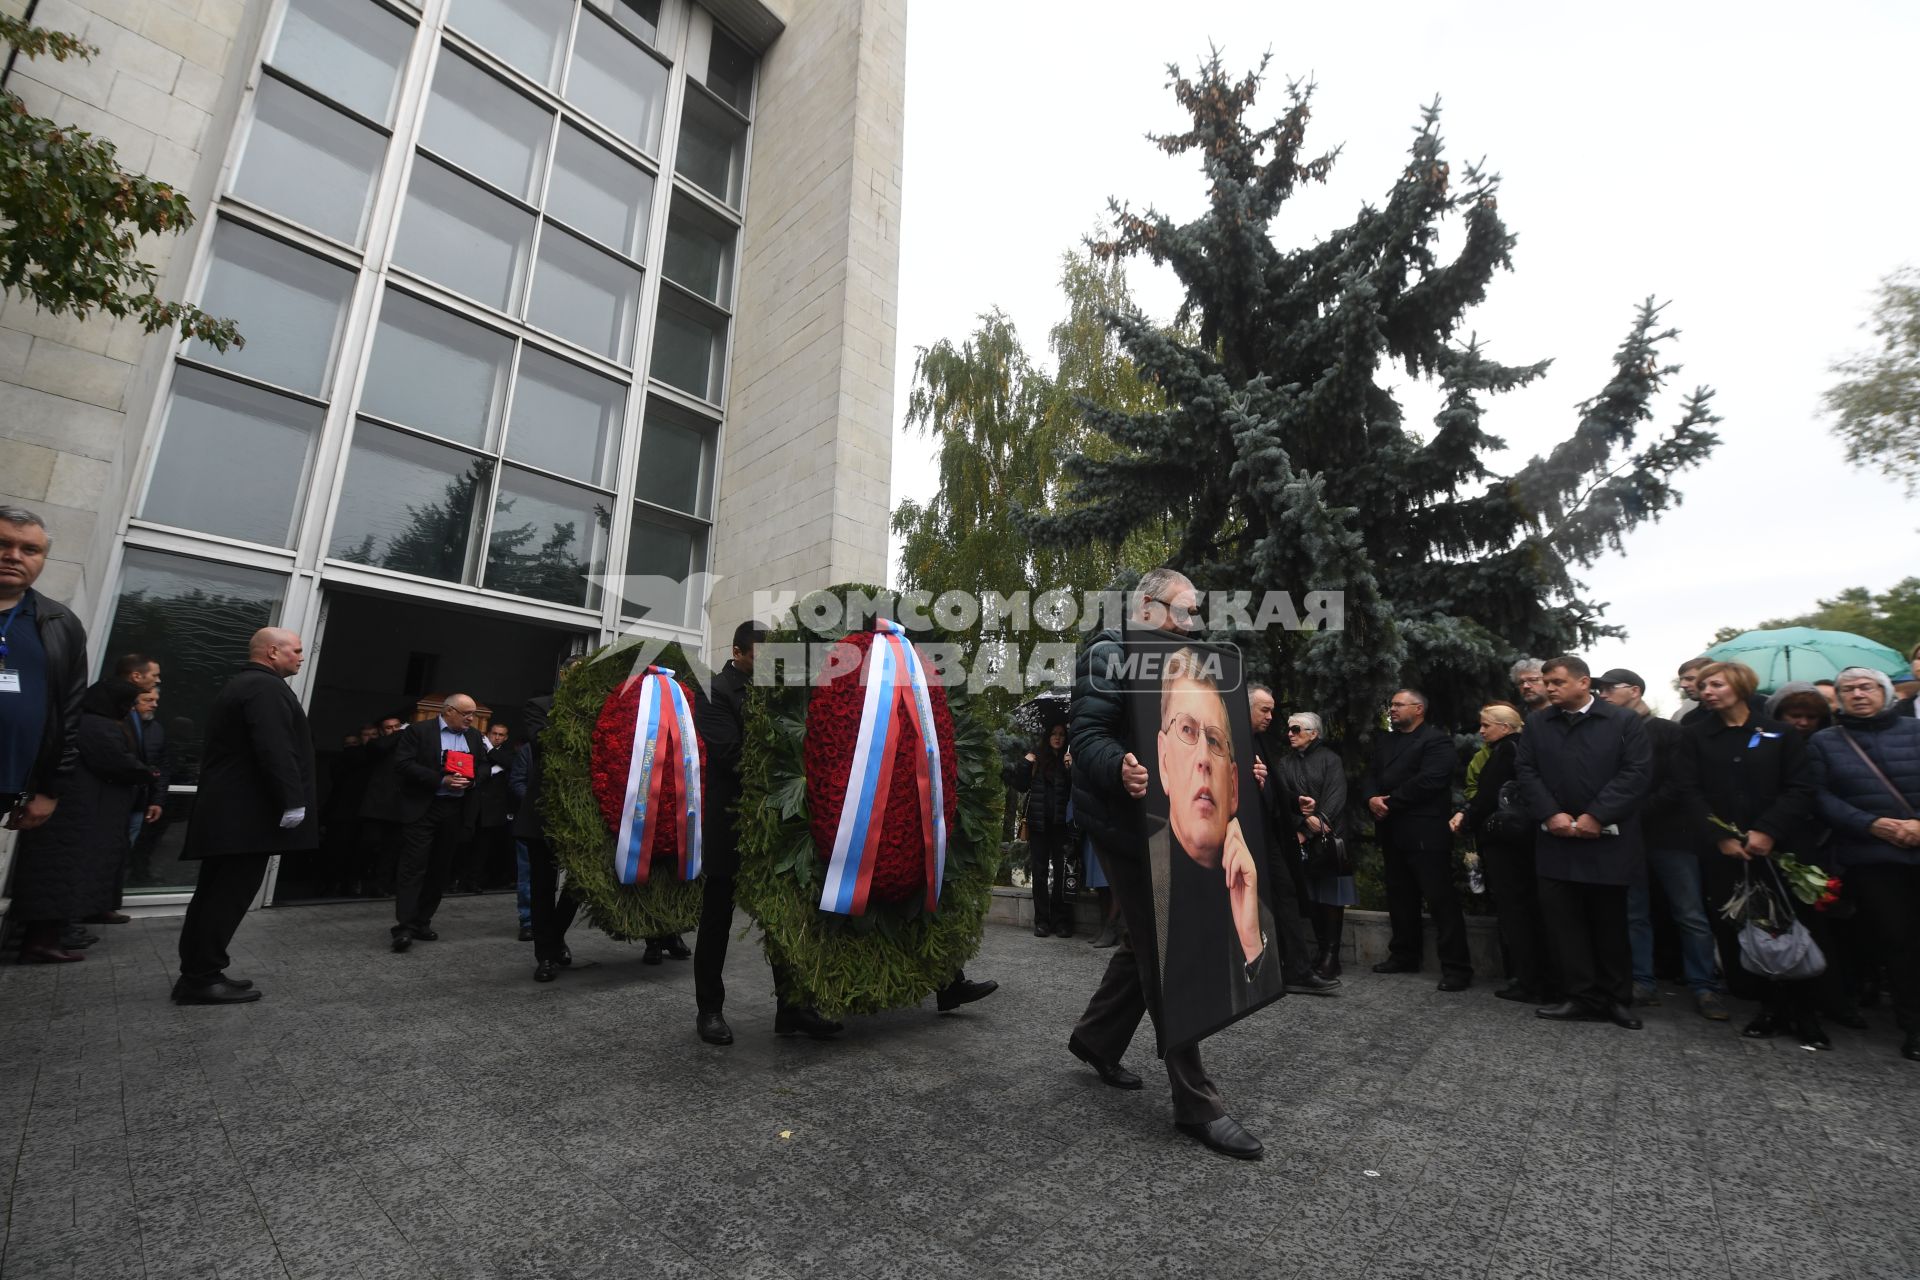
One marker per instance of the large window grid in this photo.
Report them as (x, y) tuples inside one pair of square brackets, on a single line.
[(600, 206)]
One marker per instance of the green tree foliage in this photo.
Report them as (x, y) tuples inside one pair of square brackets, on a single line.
[(1000, 426), (1280, 454), (1876, 403), (71, 218), (1892, 617)]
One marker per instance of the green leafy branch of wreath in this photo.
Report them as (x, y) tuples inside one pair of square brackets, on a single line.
[(896, 954), (575, 828)]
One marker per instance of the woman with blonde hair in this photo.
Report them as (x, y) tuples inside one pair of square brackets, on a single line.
[(1504, 837)]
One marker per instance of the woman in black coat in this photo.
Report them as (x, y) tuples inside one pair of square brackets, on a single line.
[(1311, 795), (71, 866), (1504, 840), (1044, 775), (1753, 773)]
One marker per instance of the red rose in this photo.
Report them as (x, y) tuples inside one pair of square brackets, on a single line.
[(833, 730), (613, 756), (1834, 885)]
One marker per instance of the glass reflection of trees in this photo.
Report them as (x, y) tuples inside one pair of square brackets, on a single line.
[(436, 537)]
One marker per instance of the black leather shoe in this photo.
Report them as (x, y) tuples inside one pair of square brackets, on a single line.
[(526, 933), (960, 991), (793, 1021), (1813, 1035), (1514, 991), (1040, 929), (713, 1028), (1453, 984), (564, 959), (1761, 1028), (1621, 1015), (421, 933), (1565, 1011), (653, 955), (678, 949), (1224, 1135), (1111, 1074), (402, 938), (1312, 984), (1395, 966), (213, 993), (1910, 1047), (545, 971), (241, 984)]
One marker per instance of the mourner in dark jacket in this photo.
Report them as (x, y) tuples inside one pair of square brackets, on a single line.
[(436, 803), (1865, 773), (256, 799), (1286, 886), (1585, 767), (551, 906), (1503, 835), (1749, 773), (70, 866), (44, 650), (1672, 859), (1312, 791), (1408, 788), (720, 718), (1109, 786), (378, 836), (1043, 774)]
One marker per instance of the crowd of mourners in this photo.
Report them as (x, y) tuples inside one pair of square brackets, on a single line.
[(1618, 847)]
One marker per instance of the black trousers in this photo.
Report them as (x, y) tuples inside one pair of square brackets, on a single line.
[(427, 849), (1284, 881), (710, 948), (1047, 860), (221, 896), (553, 908), (1588, 925), (1411, 876), (1516, 905), (379, 854), (1122, 998), (1886, 897), (1719, 877)]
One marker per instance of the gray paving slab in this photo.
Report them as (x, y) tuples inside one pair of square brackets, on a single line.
[(438, 1114)]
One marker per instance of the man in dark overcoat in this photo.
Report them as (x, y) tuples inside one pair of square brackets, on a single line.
[(437, 806), (552, 907), (256, 799), (1408, 788), (1585, 767)]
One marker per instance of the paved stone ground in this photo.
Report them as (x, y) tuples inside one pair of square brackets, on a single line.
[(439, 1114)]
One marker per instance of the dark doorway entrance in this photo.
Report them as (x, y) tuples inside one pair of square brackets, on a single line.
[(379, 656)]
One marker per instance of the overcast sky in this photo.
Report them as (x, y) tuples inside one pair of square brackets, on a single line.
[(1750, 165)]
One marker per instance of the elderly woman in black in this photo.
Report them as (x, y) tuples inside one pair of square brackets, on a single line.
[(1313, 793), (70, 867), (1043, 775), (1753, 774)]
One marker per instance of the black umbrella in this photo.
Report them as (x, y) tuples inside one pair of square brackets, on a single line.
[(1037, 715)]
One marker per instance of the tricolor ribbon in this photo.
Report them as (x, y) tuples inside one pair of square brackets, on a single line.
[(896, 687), (664, 745)]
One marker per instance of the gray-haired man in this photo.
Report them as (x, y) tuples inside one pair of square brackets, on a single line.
[(43, 674)]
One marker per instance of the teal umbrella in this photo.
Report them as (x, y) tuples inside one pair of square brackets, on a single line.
[(1802, 653)]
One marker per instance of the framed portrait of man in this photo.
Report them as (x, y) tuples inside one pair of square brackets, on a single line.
[(1216, 949)]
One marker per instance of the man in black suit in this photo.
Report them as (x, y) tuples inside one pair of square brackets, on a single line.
[(490, 852), (1408, 788), (1287, 885), (379, 834), (256, 799), (1585, 767), (720, 717), (553, 908), (436, 804)]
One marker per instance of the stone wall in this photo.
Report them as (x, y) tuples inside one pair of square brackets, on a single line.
[(805, 469), (75, 395)]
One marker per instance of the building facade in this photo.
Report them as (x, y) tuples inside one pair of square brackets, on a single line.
[(563, 319)]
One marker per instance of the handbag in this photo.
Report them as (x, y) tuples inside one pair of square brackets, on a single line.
[(1325, 855), (1508, 824), (1773, 942)]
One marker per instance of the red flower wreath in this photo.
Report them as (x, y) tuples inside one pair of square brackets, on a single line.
[(613, 756), (833, 729)]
